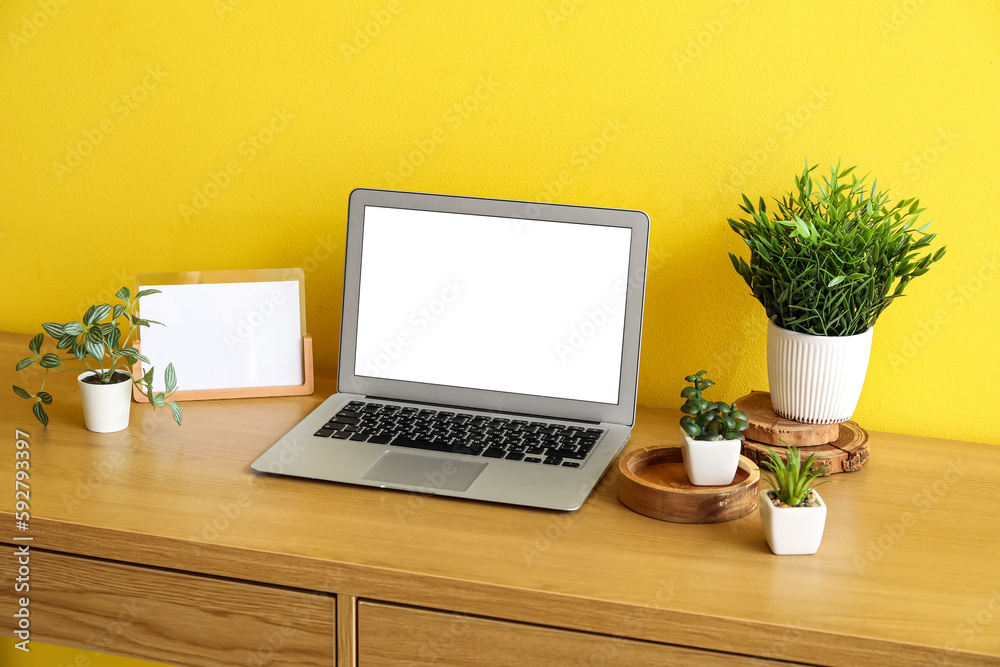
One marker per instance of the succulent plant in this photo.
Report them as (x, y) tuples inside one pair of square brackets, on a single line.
[(706, 420), (792, 478)]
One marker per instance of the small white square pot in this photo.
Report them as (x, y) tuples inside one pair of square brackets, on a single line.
[(710, 462), (792, 531)]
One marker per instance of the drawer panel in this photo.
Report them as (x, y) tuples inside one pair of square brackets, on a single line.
[(391, 636), (172, 617)]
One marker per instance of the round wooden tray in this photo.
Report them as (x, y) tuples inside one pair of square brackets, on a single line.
[(653, 482)]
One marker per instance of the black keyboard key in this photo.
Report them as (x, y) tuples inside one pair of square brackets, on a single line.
[(471, 450), (422, 443), (515, 456), (324, 432), (360, 437), (571, 464), (346, 420), (341, 435), (535, 450), (594, 432), (494, 453), (531, 459), (370, 408), (552, 460), (380, 439)]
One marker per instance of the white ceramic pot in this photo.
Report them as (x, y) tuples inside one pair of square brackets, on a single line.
[(105, 406), (792, 531), (816, 379), (710, 462)]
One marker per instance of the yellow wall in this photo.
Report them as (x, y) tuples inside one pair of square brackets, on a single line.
[(228, 134)]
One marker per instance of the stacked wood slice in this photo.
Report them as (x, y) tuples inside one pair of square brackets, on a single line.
[(838, 447)]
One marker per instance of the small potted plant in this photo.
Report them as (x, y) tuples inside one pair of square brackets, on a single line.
[(712, 433), (791, 511), (106, 385), (825, 266)]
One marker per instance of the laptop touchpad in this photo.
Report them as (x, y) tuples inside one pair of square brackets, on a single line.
[(430, 472)]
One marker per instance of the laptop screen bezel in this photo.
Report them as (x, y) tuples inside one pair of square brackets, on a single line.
[(621, 412)]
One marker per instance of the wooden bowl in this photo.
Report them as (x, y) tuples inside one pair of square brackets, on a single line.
[(653, 482)]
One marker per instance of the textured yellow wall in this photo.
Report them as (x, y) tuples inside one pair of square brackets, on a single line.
[(218, 134)]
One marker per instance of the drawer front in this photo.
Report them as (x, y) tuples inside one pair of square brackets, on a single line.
[(389, 635), (181, 619)]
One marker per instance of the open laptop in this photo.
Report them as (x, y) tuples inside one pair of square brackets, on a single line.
[(489, 349)]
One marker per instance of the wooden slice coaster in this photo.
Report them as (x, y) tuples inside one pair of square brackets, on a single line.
[(653, 482), (846, 454), (768, 427)]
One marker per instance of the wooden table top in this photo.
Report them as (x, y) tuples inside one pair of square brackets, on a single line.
[(908, 572)]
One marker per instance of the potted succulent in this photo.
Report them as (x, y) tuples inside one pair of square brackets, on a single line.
[(106, 385), (712, 435), (791, 511), (825, 266)]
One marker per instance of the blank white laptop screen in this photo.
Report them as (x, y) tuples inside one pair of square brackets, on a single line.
[(481, 302)]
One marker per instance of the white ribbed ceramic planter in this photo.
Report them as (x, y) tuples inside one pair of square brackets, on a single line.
[(710, 462), (816, 379), (105, 406), (792, 531)]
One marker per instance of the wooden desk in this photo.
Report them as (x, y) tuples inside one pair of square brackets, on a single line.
[(159, 542)]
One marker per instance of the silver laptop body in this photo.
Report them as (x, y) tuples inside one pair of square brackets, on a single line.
[(475, 325)]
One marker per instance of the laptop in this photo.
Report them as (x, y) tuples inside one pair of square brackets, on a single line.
[(489, 349)]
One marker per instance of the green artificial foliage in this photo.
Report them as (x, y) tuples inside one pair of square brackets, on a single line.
[(706, 420), (792, 479), (835, 254), (102, 348)]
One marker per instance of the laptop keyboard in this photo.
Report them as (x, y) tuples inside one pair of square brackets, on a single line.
[(463, 433)]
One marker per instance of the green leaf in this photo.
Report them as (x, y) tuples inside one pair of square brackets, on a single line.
[(118, 310), (159, 400), (123, 294), (113, 337), (24, 363), (65, 342), (79, 350), (35, 345), (90, 316), (836, 281), (40, 413), (95, 348), (101, 311), (45, 397), (50, 361), (73, 328), (53, 329), (176, 409), (170, 378), (21, 392), (146, 292)]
